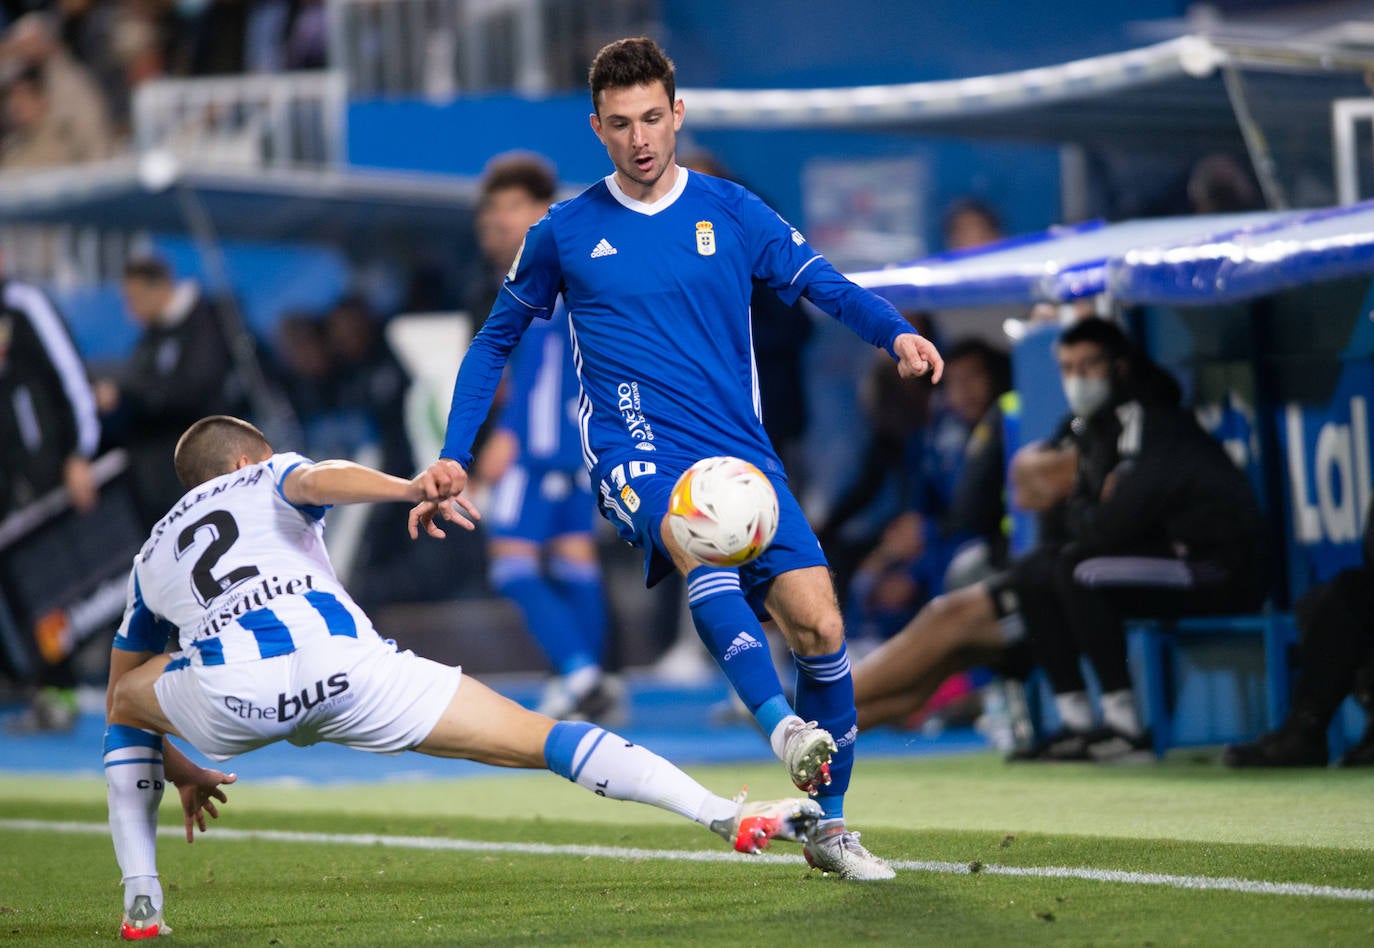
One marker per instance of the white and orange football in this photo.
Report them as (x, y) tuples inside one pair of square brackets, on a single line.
[(723, 511)]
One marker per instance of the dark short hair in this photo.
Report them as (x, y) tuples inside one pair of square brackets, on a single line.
[(528, 172), (1106, 334), (148, 269), (974, 207), (210, 447), (627, 63), (996, 363)]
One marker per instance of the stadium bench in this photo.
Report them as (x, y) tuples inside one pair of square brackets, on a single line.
[(1158, 642)]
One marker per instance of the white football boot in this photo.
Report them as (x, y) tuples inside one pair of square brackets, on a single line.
[(143, 921), (832, 848), (755, 825), (806, 753)]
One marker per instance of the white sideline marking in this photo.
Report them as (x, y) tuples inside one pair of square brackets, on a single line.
[(1200, 883)]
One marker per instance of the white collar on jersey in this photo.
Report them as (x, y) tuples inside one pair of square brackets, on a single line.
[(640, 207)]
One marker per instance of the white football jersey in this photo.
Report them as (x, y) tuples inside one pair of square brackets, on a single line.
[(237, 572)]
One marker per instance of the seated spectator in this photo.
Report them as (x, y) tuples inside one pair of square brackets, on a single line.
[(303, 370), (368, 381), (36, 134), (896, 411), (959, 501), (1336, 658), (1143, 515), (70, 109), (970, 223), (1220, 184), (366, 418), (120, 42)]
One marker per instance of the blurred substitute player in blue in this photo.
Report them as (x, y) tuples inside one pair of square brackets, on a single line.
[(273, 648), (654, 264), (541, 515)]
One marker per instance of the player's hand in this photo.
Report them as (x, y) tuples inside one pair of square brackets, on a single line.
[(457, 510), (444, 478), (79, 479), (903, 539), (917, 355), (199, 792)]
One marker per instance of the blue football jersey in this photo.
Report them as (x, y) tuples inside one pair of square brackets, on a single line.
[(658, 296), (542, 397)]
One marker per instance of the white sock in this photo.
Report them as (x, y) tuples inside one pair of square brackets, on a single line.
[(1118, 711), (778, 738), (134, 783), (1075, 710), (610, 766)]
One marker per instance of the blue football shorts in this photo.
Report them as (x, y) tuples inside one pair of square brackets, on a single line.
[(539, 503), (638, 506)]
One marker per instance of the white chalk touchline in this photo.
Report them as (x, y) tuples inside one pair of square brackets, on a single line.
[(1200, 883)]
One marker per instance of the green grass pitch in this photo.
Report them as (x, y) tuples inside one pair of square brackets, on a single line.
[(958, 826)]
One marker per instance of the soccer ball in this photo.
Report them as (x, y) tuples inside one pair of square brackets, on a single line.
[(723, 511)]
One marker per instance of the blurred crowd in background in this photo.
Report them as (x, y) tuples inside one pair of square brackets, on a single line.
[(68, 69)]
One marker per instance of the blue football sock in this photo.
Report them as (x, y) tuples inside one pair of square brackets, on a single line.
[(825, 694), (579, 584), (735, 639), (554, 626)]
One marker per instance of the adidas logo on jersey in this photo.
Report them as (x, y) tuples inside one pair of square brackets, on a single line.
[(603, 248), (741, 643)]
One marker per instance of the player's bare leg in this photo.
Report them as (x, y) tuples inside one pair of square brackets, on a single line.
[(802, 603), (903, 704), (481, 725), (733, 635), (946, 636)]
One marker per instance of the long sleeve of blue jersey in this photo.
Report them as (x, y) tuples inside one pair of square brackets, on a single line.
[(871, 317), (529, 290), (521, 378), (784, 260)]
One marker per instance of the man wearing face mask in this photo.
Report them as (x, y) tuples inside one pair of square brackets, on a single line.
[(1142, 514)]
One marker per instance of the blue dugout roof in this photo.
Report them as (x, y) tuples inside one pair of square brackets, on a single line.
[(1181, 261)]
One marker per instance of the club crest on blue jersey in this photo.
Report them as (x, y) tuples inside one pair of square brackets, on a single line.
[(706, 238)]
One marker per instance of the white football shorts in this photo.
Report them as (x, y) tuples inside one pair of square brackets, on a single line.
[(361, 693)]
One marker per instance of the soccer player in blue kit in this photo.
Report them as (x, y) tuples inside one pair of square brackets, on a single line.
[(654, 264), (541, 518), (542, 503)]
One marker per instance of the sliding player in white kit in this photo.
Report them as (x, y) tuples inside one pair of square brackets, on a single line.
[(273, 648)]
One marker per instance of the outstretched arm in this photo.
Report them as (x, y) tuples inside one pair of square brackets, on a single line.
[(347, 482)]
